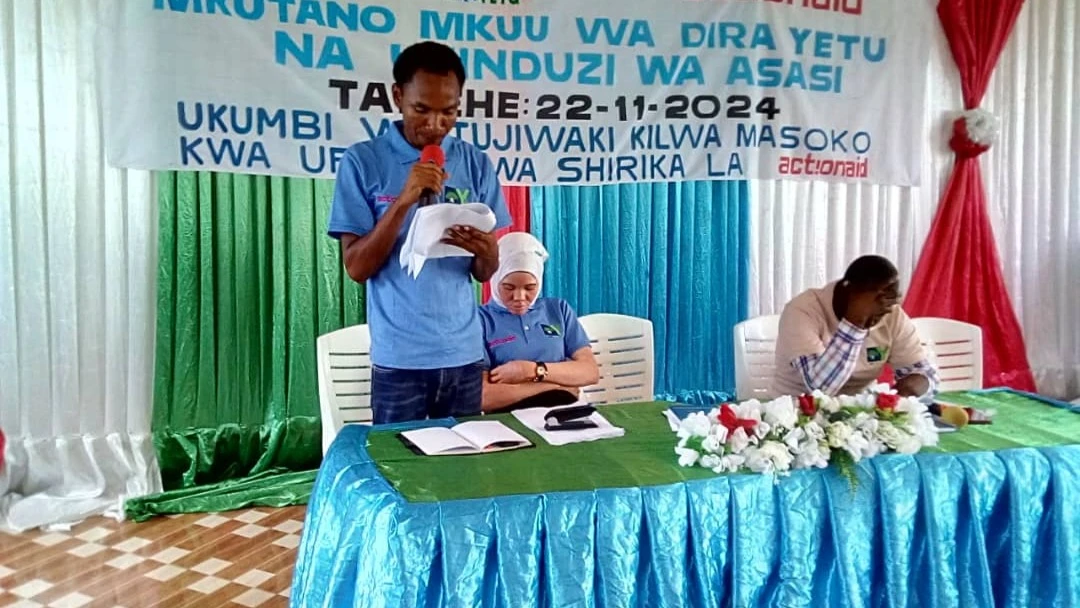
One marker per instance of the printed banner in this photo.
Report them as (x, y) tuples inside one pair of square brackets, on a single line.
[(557, 91)]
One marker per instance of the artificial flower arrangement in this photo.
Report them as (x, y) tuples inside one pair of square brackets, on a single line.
[(806, 432)]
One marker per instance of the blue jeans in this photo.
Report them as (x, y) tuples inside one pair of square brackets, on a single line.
[(401, 395)]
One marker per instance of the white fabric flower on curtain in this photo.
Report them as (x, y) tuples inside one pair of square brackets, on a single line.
[(983, 128)]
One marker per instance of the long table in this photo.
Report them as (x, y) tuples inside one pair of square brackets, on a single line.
[(989, 518)]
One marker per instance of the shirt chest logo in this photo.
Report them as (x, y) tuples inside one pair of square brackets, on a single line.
[(876, 354), (551, 330), (459, 196)]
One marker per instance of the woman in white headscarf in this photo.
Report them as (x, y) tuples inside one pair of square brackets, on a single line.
[(533, 345)]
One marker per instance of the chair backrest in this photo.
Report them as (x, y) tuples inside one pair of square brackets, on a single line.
[(624, 352), (956, 348), (755, 357), (344, 366)]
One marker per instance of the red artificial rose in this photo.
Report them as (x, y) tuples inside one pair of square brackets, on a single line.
[(807, 405), (887, 401), (731, 420)]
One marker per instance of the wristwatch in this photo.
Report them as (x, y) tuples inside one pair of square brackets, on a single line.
[(541, 372)]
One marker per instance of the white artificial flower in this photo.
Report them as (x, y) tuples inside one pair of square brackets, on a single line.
[(919, 422), (762, 429), (863, 400), (812, 455), (924, 428), (909, 444), (880, 388), (794, 438), (826, 403), (720, 432), (857, 445), (864, 421), (696, 424), (809, 451), (837, 434), (748, 409), (814, 429), (982, 126), (738, 441), (687, 457), (873, 445), (781, 413), (711, 461), (890, 435), (769, 457), (730, 463), (712, 444)]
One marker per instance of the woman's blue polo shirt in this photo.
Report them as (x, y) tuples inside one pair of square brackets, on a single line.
[(549, 332)]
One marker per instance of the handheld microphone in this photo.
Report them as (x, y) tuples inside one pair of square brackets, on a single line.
[(431, 154)]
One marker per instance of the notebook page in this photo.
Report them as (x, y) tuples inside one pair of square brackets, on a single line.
[(489, 434), (439, 440)]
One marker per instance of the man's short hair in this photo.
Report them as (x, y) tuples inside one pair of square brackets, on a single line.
[(870, 271), (431, 57)]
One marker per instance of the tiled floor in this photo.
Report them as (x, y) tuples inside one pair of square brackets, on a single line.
[(242, 558)]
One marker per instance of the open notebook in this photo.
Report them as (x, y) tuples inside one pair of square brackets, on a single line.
[(476, 437)]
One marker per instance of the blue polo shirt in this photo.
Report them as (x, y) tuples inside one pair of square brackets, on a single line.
[(431, 321), (549, 332)]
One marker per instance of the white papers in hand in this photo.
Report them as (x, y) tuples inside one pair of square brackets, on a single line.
[(533, 418), (428, 229)]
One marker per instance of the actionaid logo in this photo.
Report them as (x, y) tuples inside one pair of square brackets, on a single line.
[(848, 7)]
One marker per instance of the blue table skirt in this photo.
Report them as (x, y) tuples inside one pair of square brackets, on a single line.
[(972, 530)]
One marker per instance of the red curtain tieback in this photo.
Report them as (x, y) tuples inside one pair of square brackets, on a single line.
[(961, 142)]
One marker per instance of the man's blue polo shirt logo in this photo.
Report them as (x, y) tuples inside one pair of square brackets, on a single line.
[(457, 195)]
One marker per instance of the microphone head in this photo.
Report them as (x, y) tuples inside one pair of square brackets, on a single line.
[(433, 154)]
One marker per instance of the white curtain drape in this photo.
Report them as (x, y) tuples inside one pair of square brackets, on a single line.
[(1033, 186), (804, 234), (77, 273)]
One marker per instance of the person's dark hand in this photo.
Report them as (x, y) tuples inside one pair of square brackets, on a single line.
[(477, 242), (862, 307), (915, 385), (422, 176)]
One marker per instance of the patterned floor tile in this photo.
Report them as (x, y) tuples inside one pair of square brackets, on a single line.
[(251, 517), (253, 598), (243, 558), (32, 589)]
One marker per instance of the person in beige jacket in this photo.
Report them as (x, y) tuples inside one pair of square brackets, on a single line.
[(838, 338)]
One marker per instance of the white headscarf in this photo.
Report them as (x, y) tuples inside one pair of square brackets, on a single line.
[(519, 252)]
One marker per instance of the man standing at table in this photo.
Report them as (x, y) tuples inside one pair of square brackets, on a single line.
[(427, 346), (837, 339)]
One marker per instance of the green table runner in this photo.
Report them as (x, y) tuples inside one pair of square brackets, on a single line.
[(645, 455)]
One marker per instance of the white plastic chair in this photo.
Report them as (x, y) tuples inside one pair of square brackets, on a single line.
[(956, 348), (344, 365), (755, 357), (624, 353)]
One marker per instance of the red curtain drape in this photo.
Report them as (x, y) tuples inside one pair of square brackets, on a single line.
[(959, 272), (517, 199)]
